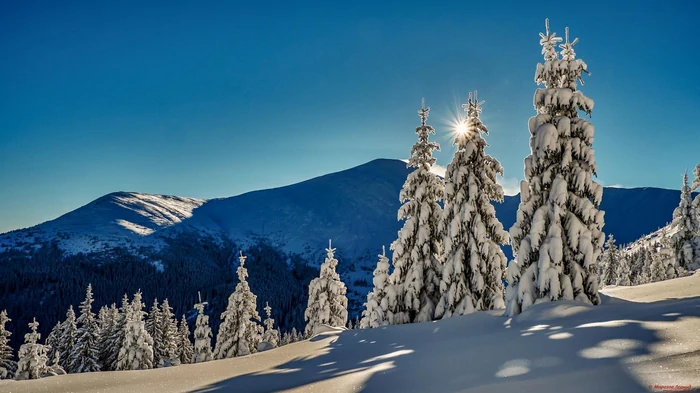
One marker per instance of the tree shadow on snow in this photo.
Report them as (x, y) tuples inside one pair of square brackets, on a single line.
[(562, 345)]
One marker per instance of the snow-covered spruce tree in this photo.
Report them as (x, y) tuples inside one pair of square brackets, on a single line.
[(68, 340), (695, 213), (417, 269), (472, 275), (53, 340), (113, 342), (295, 336), (7, 364), (84, 357), (683, 220), (328, 303), (185, 349), (153, 325), (285, 339), (54, 368), (622, 276), (271, 335), (610, 262), (32, 355), (106, 320), (202, 335), (168, 337), (376, 311), (557, 237), (239, 332), (136, 352)]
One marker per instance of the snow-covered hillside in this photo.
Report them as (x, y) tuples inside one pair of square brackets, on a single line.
[(640, 339), (356, 208)]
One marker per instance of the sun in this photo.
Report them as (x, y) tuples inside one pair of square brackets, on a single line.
[(461, 128)]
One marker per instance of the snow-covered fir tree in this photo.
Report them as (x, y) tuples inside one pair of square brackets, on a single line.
[(167, 337), (239, 332), (202, 335), (376, 312), (328, 303), (417, 267), (67, 341), (695, 214), (271, 335), (683, 222), (32, 355), (106, 320), (84, 357), (295, 335), (153, 324), (610, 262), (472, 275), (7, 364), (53, 340), (557, 237), (112, 342), (185, 349), (54, 368), (136, 352), (623, 272), (285, 339)]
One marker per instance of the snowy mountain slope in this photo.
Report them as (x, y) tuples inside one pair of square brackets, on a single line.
[(117, 219), (356, 208), (640, 339)]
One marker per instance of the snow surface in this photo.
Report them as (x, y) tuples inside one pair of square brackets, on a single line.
[(639, 336)]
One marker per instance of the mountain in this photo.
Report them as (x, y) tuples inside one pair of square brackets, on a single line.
[(356, 208)]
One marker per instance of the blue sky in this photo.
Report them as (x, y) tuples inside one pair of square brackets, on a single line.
[(212, 99)]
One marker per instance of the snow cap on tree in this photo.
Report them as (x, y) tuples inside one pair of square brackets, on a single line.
[(32, 355), (472, 276), (7, 364), (557, 237), (417, 268), (328, 302), (202, 335)]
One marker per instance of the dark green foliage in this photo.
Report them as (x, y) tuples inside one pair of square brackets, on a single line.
[(45, 282)]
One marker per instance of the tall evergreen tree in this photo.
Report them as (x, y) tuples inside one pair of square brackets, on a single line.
[(185, 348), (115, 341), (271, 335), (153, 325), (328, 303), (68, 340), (53, 340), (472, 276), (683, 222), (7, 364), (107, 320), (136, 352), (376, 312), (239, 333), (623, 272), (32, 355), (557, 237), (168, 336), (85, 356), (417, 267), (695, 214), (202, 335), (610, 262)]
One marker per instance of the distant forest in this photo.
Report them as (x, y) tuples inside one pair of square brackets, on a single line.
[(43, 283)]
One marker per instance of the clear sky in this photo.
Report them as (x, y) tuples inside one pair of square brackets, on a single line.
[(212, 99)]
